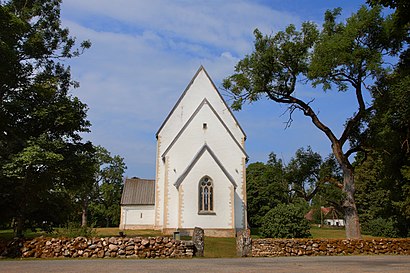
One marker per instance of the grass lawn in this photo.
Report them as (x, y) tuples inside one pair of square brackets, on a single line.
[(220, 247), (108, 232), (327, 232), (332, 233)]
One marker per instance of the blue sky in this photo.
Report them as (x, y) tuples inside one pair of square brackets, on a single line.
[(145, 53)]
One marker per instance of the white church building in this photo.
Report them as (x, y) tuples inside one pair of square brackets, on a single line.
[(200, 169)]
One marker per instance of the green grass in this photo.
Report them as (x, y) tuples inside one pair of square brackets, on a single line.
[(220, 247), (8, 234), (324, 232), (327, 232), (108, 232)]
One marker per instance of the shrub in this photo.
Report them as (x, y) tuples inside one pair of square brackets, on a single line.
[(76, 230), (381, 227), (285, 221)]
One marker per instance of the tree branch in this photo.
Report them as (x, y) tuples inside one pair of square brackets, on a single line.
[(354, 150)]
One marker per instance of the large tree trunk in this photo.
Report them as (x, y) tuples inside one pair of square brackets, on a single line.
[(349, 206), (84, 212), (19, 231)]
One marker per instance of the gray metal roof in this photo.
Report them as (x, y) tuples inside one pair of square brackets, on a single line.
[(138, 192)]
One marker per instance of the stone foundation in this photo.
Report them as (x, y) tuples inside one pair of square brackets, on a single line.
[(328, 247), (208, 232)]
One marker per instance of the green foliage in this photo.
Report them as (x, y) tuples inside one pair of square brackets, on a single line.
[(265, 188), (108, 183), (308, 175), (348, 56), (274, 66), (40, 122), (306, 179), (381, 228), (74, 229), (286, 221)]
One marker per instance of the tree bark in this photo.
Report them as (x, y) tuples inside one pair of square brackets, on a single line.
[(20, 225), (349, 206), (84, 212)]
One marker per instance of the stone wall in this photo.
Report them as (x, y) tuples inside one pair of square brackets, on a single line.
[(138, 247), (328, 247)]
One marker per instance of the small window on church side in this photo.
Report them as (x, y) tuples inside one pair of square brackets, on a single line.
[(204, 125), (206, 196)]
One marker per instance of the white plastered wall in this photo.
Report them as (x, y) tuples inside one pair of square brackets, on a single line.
[(216, 136), (222, 205), (137, 215)]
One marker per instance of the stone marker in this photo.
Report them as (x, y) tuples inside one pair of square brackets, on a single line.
[(244, 243), (198, 239)]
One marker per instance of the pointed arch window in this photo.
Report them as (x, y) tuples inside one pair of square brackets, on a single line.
[(206, 196)]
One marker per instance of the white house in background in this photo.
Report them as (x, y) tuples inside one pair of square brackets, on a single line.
[(335, 222), (201, 173)]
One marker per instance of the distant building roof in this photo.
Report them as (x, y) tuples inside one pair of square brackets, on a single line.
[(138, 192), (325, 212)]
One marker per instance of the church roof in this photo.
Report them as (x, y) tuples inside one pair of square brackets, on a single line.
[(138, 192)]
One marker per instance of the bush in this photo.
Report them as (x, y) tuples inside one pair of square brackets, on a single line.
[(381, 228), (285, 221), (76, 230)]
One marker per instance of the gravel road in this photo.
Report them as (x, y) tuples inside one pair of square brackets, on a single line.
[(337, 264)]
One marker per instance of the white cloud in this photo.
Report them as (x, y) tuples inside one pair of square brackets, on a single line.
[(227, 24), (144, 54)]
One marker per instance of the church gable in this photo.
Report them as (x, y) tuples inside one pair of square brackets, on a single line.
[(200, 87), (204, 103), (201, 152)]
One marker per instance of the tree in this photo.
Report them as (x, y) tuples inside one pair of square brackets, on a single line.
[(301, 181), (38, 117), (265, 187), (108, 179), (387, 168), (347, 56), (286, 221)]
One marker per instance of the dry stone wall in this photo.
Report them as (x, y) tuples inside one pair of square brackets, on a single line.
[(328, 247), (137, 247)]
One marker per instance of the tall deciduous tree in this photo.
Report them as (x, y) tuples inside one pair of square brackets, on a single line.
[(347, 56), (38, 116), (266, 188), (105, 206)]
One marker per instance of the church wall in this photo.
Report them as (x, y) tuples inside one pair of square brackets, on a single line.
[(159, 183), (223, 205), (215, 136), (184, 150), (240, 199)]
